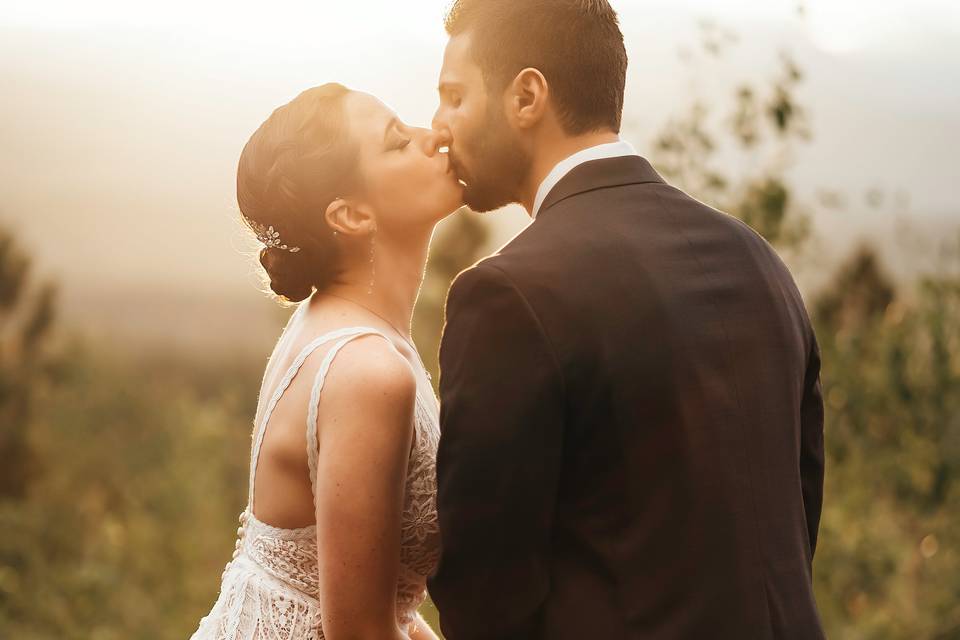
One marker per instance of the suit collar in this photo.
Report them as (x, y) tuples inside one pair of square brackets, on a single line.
[(601, 174), (615, 149)]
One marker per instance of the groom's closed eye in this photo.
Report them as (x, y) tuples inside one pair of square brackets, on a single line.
[(450, 95)]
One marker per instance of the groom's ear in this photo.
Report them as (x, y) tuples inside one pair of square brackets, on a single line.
[(527, 98)]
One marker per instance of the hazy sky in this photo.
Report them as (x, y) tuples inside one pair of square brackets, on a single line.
[(121, 122)]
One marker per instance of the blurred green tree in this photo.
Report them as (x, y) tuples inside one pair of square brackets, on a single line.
[(125, 534), (26, 318), (758, 132), (889, 562)]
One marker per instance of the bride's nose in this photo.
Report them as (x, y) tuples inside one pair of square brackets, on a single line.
[(433, 140)]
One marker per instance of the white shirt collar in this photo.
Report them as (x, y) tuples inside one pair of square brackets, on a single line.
[(616, 149)]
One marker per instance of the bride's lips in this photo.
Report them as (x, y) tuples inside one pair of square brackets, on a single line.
[(452, 170)]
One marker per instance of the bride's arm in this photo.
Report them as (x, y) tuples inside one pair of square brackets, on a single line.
[(365, 434)]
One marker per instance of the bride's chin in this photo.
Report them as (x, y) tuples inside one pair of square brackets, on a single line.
[(456, 200), (453, 208), (444, 210), (449, 200)]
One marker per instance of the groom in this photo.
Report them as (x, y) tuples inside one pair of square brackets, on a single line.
[(632, 426)]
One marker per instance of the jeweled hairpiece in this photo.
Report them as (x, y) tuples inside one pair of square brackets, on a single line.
[(269, 237)]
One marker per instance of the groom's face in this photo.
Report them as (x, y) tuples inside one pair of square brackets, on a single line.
[(485, 151)]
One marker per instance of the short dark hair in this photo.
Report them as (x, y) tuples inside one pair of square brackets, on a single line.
[(576, 44)]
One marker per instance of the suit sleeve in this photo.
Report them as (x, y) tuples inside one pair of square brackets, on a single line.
[(498, 463), (811, 446)]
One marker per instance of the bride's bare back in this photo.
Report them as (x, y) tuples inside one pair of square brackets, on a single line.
[(342, 487), (283, 495)]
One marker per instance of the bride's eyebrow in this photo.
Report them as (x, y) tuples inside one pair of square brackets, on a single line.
[(386, 132)]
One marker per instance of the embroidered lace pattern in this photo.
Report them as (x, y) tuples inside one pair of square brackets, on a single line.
[(270, 589)]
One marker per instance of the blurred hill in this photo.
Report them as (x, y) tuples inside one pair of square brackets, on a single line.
[(118, 149)]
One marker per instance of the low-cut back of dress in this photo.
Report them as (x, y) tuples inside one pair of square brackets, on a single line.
[(270, 588)]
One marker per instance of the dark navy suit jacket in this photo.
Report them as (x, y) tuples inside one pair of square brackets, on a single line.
[(632, 426)]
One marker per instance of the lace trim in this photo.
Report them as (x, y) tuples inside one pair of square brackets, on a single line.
[(292, 561), (420, 530), (309, 531), (252, 607)]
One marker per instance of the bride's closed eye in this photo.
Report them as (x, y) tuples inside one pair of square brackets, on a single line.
[(400, 144), (397, 141)]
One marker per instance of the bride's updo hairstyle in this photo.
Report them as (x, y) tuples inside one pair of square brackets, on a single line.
[(298, 161)]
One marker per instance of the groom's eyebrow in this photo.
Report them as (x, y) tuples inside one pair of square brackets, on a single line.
[(447, 86)]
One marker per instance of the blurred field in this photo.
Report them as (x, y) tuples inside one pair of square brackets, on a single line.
[(122, 471)]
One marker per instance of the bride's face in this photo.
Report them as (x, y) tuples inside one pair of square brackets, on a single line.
[(406, 171)]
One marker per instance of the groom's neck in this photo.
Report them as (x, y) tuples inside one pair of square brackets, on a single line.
[(550, 153)]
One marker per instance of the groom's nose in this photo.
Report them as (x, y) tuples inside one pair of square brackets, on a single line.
[(434, 139), (440, 125)]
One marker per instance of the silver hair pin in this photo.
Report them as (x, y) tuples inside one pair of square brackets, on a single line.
[(269, 237)]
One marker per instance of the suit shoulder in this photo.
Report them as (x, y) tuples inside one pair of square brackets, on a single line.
[(484, 274)]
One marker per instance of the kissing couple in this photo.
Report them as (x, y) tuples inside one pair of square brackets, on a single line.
[(628, 441)]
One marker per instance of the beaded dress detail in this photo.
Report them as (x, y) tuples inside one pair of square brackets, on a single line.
[(270, 589)]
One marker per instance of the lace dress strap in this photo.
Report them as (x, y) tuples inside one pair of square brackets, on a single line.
[(285, 336), (344, 335), (315, 401)]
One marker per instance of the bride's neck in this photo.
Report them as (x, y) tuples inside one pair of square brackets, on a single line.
[(396, 271)]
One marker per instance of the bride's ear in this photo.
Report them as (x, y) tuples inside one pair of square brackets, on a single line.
[(350, 218)]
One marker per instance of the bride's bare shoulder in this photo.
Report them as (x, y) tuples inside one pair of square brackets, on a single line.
[(370, 375), (373, 358)]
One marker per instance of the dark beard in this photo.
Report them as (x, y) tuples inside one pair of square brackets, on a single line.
[(500, 164)]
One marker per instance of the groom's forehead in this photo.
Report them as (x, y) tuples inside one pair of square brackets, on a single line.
[(458, 64)]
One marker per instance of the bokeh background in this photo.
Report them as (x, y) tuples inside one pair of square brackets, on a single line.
[(134, 327)]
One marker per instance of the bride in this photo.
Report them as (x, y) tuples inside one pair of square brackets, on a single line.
[(340, 529)]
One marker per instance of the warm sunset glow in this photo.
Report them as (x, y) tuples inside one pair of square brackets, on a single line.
[(847, 26), (836, 26), (288, 21), (137, 320)]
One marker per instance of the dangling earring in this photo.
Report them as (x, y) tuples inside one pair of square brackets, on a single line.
[(373, 264), (336, 234)]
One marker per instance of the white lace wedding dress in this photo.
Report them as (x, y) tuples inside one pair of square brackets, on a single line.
[(269, 590)]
